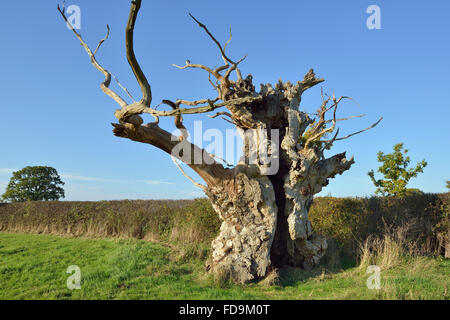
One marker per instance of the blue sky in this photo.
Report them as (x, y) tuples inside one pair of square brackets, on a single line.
[(54, 113)]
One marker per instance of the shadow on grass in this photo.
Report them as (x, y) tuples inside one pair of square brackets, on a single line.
[(290, 276)]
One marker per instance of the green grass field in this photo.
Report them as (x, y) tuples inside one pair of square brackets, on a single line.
[(34, 267)]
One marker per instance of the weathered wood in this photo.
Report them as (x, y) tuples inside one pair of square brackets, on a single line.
[(264, 209)]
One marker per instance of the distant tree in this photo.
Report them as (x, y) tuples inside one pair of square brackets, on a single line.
[(448, 184), (395, 171), (34, 184)]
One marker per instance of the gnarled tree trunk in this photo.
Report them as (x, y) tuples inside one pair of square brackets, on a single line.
[(265, 199), (265, 217)]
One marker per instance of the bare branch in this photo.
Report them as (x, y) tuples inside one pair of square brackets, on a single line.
[(142, 106), (316, 133), (228, 41), (197, 102), (201, 25), (348, 118), (350, 135), (330, 142), (103, 40), (207, 168), (123, 88), (232, 120), (234, 67), (215, 86), (178, 118), (221, 113), (184, 174), (221, 159), (131, 57), (199, 66), (226, 59), (105, 84), (210, 106)]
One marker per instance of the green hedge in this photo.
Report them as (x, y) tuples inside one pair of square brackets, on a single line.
[(158, 220), (346, 222)]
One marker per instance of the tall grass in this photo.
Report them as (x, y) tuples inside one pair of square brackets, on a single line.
[(388, 251), (405, 270), (349, 222)]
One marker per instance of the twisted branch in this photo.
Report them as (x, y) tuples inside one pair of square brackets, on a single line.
[(187, 176), (358, 132), (131, 57), (105, 84)]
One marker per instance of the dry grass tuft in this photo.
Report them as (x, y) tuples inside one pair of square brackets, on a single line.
[(389, 250), (222, 277), (272, 279)]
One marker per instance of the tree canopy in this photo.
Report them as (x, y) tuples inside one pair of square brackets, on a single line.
[(34, 184), (396, 173)]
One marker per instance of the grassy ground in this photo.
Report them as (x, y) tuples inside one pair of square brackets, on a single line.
[(34, 267)]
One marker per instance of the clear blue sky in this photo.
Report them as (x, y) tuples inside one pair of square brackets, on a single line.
[(54, 113)]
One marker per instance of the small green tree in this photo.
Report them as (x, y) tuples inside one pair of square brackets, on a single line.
[(448, 184), (395, 171), (34, 184)]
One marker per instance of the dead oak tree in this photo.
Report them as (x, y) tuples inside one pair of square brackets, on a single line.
[(265, 214)]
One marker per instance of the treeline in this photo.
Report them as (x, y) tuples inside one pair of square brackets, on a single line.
[(346, 222)]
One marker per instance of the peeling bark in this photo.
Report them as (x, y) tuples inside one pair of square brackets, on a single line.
[(248, 209)]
